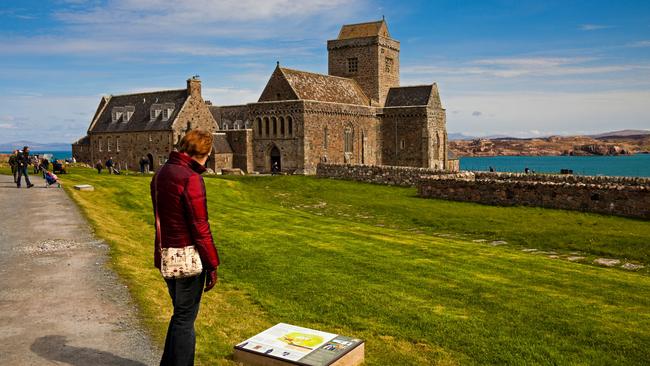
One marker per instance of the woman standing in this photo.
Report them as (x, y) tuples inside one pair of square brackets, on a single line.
[(182, 229)]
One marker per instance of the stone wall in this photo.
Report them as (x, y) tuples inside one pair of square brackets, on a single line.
[(381, 174), (241, 142), (623, 196)]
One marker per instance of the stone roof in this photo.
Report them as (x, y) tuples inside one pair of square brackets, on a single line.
[(83, 141), (360, 30), (325, 88), (229, 113), (408, 96), (141, 103), (220, 144)]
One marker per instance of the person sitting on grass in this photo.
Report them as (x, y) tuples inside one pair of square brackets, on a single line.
[(51, 179)]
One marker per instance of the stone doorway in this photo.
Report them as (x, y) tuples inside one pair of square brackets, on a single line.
[(150, 158), (275, 160)]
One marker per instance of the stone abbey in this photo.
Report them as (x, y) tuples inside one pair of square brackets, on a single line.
[(356, 114)]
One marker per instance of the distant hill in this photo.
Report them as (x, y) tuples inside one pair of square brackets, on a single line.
[(35, 146), (621, 133), (459, 136)]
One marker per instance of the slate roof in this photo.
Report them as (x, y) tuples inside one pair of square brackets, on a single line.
[(140, 120), (359, 30), (220, 144), (325, 88), (409, 96), (83, 141)]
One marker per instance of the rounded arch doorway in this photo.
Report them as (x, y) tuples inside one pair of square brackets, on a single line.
[(275, 160), (150, 158)]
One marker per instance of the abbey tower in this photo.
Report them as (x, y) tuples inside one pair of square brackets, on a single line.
[(366, 53)]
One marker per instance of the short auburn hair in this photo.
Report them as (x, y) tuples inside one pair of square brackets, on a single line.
[(196, 143)]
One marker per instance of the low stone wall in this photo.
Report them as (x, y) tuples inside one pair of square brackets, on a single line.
[(623, 196), (379, 174)]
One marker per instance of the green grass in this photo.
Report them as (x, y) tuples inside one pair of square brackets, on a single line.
[(399, 271)]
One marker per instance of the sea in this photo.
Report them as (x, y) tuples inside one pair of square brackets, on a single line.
[(623, 165), (59, 155)]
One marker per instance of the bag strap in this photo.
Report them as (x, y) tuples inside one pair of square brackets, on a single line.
[(158, 235)]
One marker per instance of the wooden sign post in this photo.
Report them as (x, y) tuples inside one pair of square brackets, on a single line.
[(287, 345)]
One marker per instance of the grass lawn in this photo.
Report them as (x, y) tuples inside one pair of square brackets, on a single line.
[(400, 272)]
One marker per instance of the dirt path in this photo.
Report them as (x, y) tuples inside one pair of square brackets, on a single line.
[(59, 305)]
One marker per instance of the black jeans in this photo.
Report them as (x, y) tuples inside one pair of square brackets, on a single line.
[(23, 171), (181, 339)]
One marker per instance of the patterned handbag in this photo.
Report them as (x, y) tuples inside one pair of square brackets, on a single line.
[(176, 262)]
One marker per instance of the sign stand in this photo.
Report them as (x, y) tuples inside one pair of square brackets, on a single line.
[(288, 345)]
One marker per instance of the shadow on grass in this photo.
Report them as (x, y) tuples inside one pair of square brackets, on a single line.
[(54, 348)]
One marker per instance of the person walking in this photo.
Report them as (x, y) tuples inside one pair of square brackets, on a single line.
[(99, 167), (109, 165), (143, 162), (180, 209), (13, 163), (23, 164)]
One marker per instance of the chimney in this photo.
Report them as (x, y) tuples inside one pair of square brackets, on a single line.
[(194, 86)]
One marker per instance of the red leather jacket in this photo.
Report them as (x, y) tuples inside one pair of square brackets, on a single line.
[(182, 209)]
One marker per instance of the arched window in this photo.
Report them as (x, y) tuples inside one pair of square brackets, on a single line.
[(237, 125), (266, 126), (290, 126), (349, 140), (247, 124), (275, 126), (325, 138), (259, 126), (282, 129)]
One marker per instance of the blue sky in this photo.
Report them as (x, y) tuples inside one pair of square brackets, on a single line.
[(522, 68)]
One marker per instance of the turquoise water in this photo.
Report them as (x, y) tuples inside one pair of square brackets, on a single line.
[(630, 165), (61, 155)]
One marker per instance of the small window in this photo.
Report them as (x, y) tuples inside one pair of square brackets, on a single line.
[(282, 128), (117, 144), (266, 126), (155, 111), (349, 140), (402, 144), (117, 113), (325, 138), (275, 126), (167, 111), (290, 128), (259, 126), (99, 144), (389, 65), (353, 65), (108, 144), (128, 113), (150, 139)]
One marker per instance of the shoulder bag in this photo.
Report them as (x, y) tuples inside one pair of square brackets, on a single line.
[(176, 262)]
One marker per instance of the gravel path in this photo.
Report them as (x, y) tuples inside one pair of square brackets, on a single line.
[(59, 304)]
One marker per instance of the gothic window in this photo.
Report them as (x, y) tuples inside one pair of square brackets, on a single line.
[(349, 140), (325, 138), (275, 126), (290, 128), (389, 65), (353, 64), (266, 126), (282, 129), (259, 126)]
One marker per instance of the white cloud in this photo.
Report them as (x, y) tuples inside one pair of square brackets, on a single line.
[(593, 27), (7, 126), (645, 43), (520, 67), (523, 113)]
